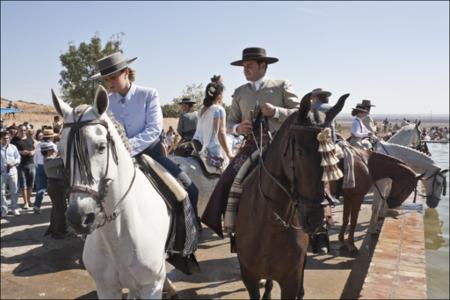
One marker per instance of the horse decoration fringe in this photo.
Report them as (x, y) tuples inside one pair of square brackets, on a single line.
[(327, 148)]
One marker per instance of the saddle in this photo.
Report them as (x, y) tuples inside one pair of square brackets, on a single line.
[(208, 171), (183, 234)]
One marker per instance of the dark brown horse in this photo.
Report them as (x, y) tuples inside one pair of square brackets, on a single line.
[(370, 167), (280, 205)]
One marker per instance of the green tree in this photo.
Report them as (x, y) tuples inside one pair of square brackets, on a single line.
[(194, 91), (79, 63)]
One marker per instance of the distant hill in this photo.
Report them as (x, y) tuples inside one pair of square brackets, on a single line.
[(30, 107)]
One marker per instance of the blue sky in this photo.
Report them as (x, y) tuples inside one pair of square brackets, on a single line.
[(394, 53)]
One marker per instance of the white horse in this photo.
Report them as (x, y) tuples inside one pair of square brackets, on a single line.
[(111, 200), (434, 179), (193, 169)]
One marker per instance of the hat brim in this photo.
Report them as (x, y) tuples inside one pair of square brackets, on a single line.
[(100, 75), (322, 93), (361, 110), (268, 60)]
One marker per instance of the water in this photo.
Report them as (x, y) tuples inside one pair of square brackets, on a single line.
[(436, 234)]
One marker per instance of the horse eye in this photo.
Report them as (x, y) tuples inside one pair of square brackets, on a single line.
[(101, 147)]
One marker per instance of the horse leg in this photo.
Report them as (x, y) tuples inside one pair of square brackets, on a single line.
[(376, 209), (353, 222), (250, 282), (153, 290), (169, 289), (301, 292), (268, 289), (345, 218), (108, 290), (290, 288)]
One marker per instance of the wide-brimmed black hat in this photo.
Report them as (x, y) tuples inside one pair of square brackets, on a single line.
[(186, 100), (254, 53), (359, 108), (366, 103), (319, 92), (111, 64)]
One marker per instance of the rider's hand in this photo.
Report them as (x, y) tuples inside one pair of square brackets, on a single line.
[(244, 127), (267, 110)]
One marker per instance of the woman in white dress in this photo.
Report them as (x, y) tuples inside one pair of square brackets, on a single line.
[(360, 134), (211, 128)]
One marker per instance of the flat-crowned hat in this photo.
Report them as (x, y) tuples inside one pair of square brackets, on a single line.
[(319, 92), (186, 100), (111, 64), (366, 103), (254, 53), (359, 108), (48, 133)]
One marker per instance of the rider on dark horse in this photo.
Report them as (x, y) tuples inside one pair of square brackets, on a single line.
[(272, 100)]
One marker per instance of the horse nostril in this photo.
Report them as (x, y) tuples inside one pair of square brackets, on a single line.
[(89, 219)]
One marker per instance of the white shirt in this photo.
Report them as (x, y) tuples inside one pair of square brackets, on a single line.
[(359, 129), (9, 154)]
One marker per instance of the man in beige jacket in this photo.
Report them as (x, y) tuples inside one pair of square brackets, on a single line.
[(274, 99)]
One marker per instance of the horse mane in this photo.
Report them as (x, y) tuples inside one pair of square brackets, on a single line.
[(120, 131), (80, 109), (423, 155)]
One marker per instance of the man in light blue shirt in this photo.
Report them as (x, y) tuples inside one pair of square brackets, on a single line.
[(10, 158)]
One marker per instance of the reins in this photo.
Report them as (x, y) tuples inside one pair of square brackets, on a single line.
[(295, 199)]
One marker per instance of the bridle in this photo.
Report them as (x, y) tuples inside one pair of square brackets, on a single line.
[(76, 142), (295, 198), (434, 176)]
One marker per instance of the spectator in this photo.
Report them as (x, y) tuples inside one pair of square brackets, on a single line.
[(57, 124), (27, 169), (41, 178), (10, 159), (54, 171)]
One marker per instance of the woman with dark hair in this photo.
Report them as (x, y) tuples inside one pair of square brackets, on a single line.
[(211, 127)]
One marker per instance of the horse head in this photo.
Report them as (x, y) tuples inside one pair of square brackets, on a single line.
[(402, 186), (90, 157), (408, 135), (438, 186), (304, 168)]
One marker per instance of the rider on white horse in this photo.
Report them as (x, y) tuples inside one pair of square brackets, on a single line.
[(138, 110)]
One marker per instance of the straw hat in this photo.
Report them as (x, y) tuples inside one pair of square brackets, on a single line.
[(48, 133)]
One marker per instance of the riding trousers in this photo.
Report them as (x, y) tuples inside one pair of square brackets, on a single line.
[(155, 152)]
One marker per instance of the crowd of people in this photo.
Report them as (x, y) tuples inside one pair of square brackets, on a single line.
[(435, 133), (30, 162)]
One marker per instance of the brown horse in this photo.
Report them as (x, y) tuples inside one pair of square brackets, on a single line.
[(370, 167), (280, 205)]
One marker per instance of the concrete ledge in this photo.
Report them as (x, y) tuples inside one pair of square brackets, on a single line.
[(398, 266)]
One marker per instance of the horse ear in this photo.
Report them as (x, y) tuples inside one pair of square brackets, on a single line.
[(444, 171), (332, 112), (101, 100), (62, 108), (305, 106), (418, 123)]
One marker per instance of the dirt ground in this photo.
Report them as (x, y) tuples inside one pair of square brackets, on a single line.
[(34, 267)]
